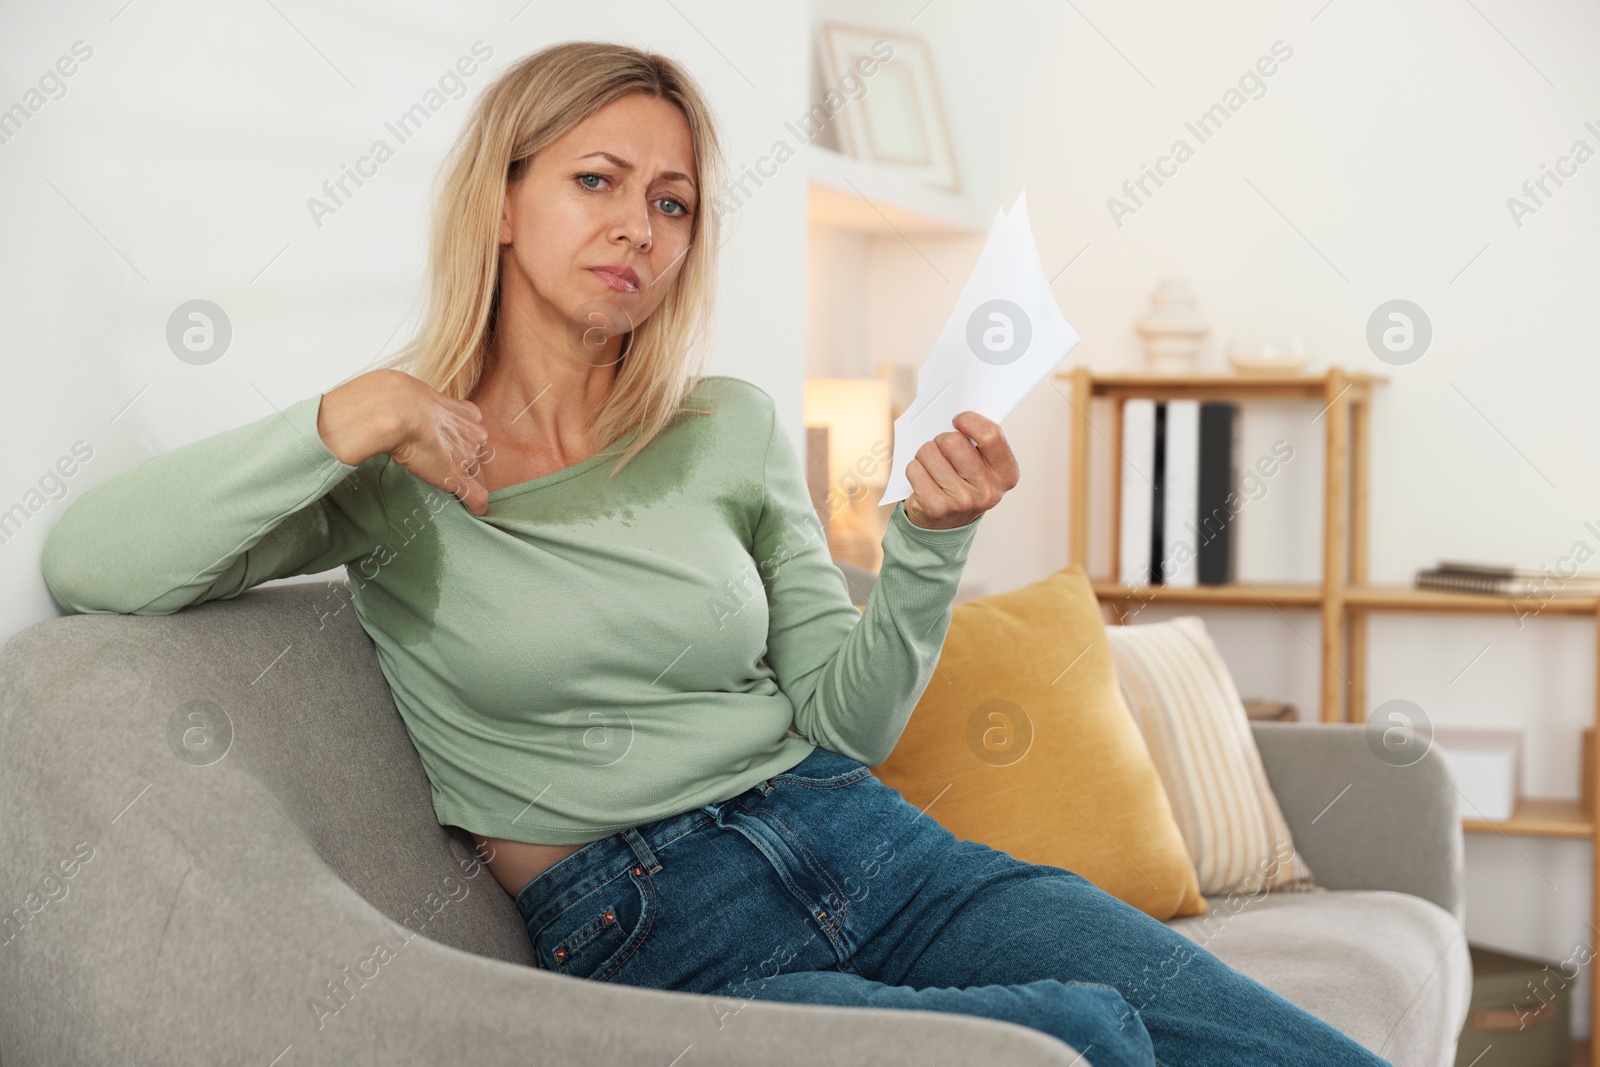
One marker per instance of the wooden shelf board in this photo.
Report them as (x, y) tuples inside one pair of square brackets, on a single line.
[(1361, 597), (1410, 598), (1220, 386), (1538, 817), (1238, 593)]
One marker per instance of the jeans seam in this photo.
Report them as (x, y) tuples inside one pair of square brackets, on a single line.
[(816, 863), (696, 825), (611, 968), (589, 931), (836, 782)]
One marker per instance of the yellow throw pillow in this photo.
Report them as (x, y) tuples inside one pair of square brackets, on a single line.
[(1022, 742)]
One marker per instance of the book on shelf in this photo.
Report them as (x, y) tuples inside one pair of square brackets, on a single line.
[(1158, 499), (1138, 490), (1500, 570), (1178, 498), (1501, 580), (1219, 428), (1180, 554)]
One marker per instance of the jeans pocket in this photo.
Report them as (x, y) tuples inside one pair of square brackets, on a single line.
[(595, 934)]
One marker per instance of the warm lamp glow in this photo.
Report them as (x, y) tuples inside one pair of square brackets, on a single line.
[(856, 413)]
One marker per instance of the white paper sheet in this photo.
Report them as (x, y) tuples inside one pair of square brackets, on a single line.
[(1003, 336)]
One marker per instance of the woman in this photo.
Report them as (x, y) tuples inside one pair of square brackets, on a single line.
[(647, 695)]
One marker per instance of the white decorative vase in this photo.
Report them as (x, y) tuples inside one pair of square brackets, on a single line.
[(1172, 329), (1250, 354)]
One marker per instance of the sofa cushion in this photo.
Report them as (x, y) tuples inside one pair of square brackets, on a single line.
[(1389, 969), (1183, 698), (1022, 741)]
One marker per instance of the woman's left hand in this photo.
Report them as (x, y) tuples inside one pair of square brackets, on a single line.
[(954, 481)]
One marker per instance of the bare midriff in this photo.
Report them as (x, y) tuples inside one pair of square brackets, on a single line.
[(516, 863)]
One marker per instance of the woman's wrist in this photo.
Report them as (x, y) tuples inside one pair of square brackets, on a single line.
[(943, 524), (357, 421), (933, 535)]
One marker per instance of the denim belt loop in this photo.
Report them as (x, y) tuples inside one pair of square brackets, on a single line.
[(641, 849)]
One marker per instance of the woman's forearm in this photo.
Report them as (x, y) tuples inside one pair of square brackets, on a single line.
[(210, 519)]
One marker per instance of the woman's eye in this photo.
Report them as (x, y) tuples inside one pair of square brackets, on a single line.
[(669, 205)]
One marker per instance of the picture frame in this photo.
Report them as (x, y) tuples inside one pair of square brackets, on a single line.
[(898, 121)]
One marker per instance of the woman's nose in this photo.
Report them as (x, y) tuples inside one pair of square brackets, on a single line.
[(634, 225)]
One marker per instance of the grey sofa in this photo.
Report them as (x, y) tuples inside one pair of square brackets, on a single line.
[(220, 848)]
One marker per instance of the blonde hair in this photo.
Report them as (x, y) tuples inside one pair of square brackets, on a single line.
[(530, 105)]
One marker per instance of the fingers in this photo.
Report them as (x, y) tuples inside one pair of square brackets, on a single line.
[(992, 445), (445, 444), (936, 464), (962, 456), (924, 488), (972, 477), (470, 492), (961, 473), (466, 484), (473, 452), (463, 448)]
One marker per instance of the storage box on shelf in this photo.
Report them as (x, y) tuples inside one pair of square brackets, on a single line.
[(1487, 768), (1344, 598)]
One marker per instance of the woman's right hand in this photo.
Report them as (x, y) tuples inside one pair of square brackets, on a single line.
[(440, 440)]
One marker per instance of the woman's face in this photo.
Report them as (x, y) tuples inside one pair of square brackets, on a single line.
[(597, 227)]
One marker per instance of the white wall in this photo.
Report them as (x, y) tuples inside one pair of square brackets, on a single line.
[(174, 168), (1390, 140), (177, 165)]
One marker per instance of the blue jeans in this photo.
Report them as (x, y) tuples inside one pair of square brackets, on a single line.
[(822, 885)]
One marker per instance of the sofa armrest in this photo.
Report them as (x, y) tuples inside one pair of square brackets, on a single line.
[(166, 912), (1363, 823)]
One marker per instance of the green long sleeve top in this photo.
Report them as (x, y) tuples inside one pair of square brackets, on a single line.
[(591, 654)]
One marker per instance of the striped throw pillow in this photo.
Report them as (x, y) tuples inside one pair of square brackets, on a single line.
[(1183, 698)]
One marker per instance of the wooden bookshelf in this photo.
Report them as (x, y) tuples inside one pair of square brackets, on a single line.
[(1345, 398), (1344, 598)]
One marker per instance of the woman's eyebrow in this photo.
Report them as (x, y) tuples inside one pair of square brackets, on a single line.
[(623, 164)]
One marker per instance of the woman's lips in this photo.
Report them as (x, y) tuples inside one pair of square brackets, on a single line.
[(617, 280)]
